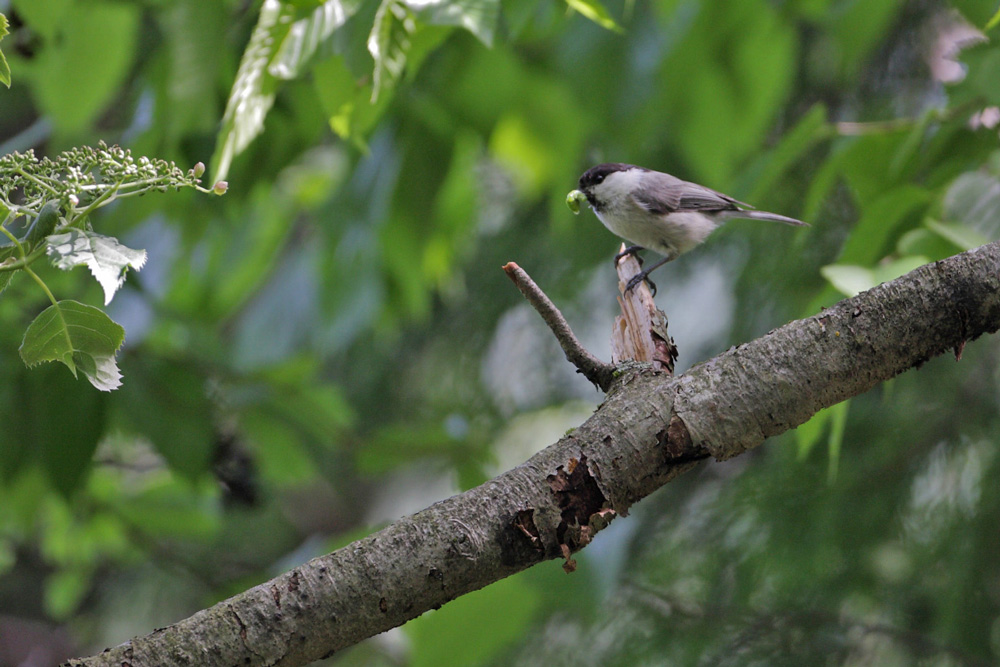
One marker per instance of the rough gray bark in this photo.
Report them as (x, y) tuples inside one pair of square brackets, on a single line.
[(651, 428)]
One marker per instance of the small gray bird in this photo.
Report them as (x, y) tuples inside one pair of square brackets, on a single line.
[(654, 210)]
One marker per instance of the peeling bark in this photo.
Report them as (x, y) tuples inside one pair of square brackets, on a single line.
[(651, 428)]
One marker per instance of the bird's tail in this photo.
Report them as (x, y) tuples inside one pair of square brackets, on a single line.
[(764, 215)]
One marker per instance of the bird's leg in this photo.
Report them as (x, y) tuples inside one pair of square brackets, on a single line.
[(644, 275), (631, 250)]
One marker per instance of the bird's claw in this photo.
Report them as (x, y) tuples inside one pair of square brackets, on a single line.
[(638, 278), (631, 250)]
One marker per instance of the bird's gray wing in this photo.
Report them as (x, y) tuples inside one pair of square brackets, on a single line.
[(672, 194)]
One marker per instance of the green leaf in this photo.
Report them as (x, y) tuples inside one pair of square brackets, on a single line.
[(4, 67), (477, 16), (851, 280), (65, 590), (982, 79), (192, 68), (168, 507), (881, 216), (306, 35), (43, 225), (166, 402), (75, 60), (835, 442), (959, 234), (595, 11), (253, 90), (80, 336), (848, 280), (388, 43), (106, 258), (5, 277), (856, 28), (507, 607), (279, 48), (923, 241), (53, 422), (278, 449), (812, 128), (43, 16), (974, 199), (978, 12), (808, 435), (347, 102), (993, 22)]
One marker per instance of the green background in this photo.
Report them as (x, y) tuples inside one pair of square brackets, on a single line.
[(332, 344)]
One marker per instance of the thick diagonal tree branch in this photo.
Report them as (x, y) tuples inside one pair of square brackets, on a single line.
[(651, 428)]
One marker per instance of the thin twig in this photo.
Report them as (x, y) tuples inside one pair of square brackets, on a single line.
[(590, 366)]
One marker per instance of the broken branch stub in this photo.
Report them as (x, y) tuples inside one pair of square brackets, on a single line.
[(640, 332)]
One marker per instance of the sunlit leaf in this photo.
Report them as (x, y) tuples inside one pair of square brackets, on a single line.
[(306, 35), (477, 16), (4, 67), (82, 337), (278, 49), (253, 90), (106, 258), (389, 42), (595, 11), (993, 22)]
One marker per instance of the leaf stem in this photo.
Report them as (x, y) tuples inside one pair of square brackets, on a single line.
[(48, 293), (39, 182), (97, 203), (41, 283), (62, 318), (13, 238), (24, 261)]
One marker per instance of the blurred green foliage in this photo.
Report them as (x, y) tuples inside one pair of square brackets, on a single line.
[(332, 344)]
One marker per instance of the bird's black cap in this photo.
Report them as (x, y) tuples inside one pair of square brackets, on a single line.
[(598, 173)]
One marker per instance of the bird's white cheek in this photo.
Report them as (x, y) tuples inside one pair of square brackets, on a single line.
[(618, 186)]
